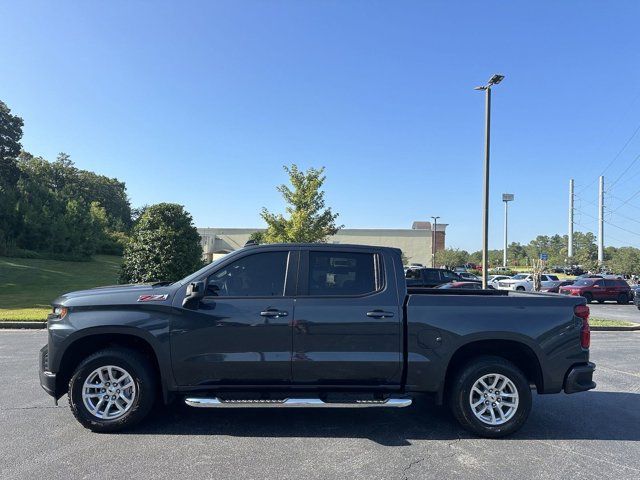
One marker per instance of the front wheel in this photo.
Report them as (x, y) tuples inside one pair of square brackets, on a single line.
[(623, 299), (520, 289), (588, 297), (112, 389), (490, 397)]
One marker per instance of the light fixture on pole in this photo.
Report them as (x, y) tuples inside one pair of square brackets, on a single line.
[(494, 80), (506, 198), (434, 238)]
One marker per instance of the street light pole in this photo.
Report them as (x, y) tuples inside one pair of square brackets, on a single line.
[(506, 198), (434, 239), (494, 80)]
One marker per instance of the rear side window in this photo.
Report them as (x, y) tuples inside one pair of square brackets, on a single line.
[(343, 273), (258, 275), (413, 273), (431, 276), (448, 276)]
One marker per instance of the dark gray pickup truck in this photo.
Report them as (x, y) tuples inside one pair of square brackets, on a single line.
[(312, 325)]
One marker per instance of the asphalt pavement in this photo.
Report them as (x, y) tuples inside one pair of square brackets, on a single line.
[(613, 311), (592, 435)]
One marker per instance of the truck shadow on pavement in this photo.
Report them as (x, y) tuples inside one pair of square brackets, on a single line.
[(587, 416)]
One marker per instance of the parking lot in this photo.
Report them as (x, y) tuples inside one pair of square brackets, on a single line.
[(589, 435), (613, 311)]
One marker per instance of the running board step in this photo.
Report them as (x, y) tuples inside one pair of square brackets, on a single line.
[(215, 402)]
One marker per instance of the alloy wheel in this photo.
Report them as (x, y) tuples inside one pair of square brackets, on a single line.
[(109, 392), (494, 399)]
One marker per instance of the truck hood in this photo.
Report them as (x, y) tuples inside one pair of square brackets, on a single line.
[(118, 295)]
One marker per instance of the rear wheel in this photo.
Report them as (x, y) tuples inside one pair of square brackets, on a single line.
[(623, 299), (112, 389), (588, 297), (490, 397)]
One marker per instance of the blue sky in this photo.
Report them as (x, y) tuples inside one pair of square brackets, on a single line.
[(201, 103)]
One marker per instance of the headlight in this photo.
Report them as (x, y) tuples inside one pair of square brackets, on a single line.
[(60, 312)]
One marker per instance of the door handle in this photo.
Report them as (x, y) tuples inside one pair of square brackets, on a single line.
[(272, 312), (379, 314)]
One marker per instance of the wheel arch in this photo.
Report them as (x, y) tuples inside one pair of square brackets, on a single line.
[(97, 339), (517, 352)]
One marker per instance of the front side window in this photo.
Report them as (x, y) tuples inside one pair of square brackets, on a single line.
[(258, 275), (343, 273)]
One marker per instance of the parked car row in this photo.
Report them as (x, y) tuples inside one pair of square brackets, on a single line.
[(598, 288)]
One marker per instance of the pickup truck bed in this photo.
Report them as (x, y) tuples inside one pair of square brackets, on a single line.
[(312, 325)]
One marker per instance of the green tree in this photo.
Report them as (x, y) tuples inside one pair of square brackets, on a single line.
[(452, 257), (517, 255), (585, 250), (257, 237), (10, 135), (164, 245), (624, 260), (494, 258), (308, 220)]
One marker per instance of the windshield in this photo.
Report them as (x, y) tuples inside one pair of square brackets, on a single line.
[(583, 283), (204, 269)]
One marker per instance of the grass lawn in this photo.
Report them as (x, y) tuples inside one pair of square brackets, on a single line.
[(601, 322), (27, 286)]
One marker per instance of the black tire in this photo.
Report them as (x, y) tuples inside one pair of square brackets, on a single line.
[(601, 301), (520, 289), (143, 377), (623, 299), (460, 391), (588, 297)]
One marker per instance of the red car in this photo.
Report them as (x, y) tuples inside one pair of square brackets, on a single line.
[(599, 289)]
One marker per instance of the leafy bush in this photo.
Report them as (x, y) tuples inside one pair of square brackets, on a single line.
[(164, 245)]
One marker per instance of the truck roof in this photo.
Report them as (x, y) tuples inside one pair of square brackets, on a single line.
[(331, 246)]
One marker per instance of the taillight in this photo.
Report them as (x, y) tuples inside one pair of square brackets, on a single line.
[(582, 311)]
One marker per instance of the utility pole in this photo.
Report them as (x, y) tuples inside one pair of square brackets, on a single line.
[(494, 80), (601, 221), (434, 238), (506, 198), (570, 237)]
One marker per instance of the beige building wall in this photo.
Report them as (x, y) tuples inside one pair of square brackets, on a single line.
[(415, 243)]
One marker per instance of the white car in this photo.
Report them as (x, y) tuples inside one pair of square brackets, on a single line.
[(523, 282), (500, 270), (494, 279), (469, 277)]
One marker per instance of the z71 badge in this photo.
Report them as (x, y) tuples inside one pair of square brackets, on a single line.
[(152, 298)]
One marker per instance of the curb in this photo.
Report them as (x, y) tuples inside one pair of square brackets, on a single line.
[(615, 329), (23, 325)]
